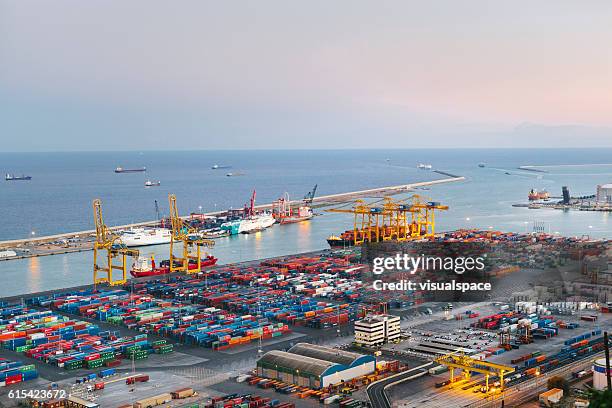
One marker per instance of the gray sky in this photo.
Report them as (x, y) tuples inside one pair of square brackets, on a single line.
[(148, 74)]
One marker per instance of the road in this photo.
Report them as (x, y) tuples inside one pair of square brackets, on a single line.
[(376, 391)]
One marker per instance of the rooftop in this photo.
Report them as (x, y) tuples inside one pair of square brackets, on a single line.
[(296, 362), (336, 356)]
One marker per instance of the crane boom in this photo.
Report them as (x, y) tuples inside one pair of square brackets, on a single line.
[(107, 241), (192, 242)]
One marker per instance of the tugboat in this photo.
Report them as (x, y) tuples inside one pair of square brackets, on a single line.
[(122, 170), (143, 266), (341, 241), (12, 177)]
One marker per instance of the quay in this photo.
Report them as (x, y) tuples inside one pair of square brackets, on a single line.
[(83, 240)]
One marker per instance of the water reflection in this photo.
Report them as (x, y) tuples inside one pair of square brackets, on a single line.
[(34, 281)]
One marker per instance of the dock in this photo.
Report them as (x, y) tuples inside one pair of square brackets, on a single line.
[(83, 240)]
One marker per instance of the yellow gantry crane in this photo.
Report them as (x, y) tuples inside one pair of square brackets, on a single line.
[(393, 220), (107, 241), (192, 242), (424, 216), (469, 365)]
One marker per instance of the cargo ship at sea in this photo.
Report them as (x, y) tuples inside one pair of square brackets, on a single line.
[(144, 266), (538, 195), (136, 170), (12, 177)]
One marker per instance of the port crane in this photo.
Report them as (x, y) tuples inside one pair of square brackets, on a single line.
[(192, 242), (424, 217), (309, 197), (107, 241), (393, 220), (470, 365)]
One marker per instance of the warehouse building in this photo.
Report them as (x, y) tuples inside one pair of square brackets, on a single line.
[(314, 366), (376, 330)]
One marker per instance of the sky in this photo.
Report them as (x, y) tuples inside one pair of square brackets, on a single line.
[(198, 74)]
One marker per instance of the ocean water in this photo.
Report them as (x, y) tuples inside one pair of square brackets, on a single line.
[(58, 198)]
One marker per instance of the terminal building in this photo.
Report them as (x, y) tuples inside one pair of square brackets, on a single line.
[(376, 330), (313, 366)]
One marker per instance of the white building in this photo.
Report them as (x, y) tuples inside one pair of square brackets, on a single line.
[(377, 330), (604, 193)]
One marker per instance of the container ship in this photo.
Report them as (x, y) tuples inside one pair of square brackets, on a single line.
[(12, 177), (538, 195), (347, 238), (284, 214), (144, 266), (137, 170), (146, 236)]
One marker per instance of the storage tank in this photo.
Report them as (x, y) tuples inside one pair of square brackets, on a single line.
[(600, 381)]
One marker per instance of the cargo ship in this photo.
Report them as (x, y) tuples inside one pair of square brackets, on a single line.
[(144, 266), (12, 177), (137, 170), (146, 236), (538, 195), (284, 214)]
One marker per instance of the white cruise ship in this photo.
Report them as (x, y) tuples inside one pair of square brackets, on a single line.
[(146, 236), (256, 223)]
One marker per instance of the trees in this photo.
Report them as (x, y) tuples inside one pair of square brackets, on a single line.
[(558, 382), (600, 399)]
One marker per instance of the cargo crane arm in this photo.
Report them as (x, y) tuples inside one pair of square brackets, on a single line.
[(192, 242), (107, 241), (393, 220)]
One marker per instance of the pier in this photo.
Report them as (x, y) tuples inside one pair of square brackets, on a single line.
[(83, 240)]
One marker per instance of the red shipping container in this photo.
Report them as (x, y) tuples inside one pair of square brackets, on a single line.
[(13, 379)]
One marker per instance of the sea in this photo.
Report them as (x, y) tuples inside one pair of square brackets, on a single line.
[(59, 197)]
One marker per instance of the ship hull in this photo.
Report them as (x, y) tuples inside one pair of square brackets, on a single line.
[(205, 263), (293, 220), (340, 243)]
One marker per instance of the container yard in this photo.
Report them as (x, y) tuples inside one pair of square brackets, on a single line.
[(147, 338)]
